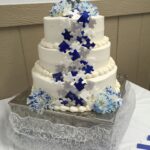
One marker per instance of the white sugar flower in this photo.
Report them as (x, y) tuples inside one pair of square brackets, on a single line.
[(76, 45), (80, 74), (88, 32), (67, 61), (67, 9), (75, 14), (68, 77), (85, 95)]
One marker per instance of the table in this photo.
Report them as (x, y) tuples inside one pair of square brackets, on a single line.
[(138, 130)]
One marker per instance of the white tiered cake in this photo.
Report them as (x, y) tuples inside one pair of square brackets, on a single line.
[(53, 72), (74, 74)]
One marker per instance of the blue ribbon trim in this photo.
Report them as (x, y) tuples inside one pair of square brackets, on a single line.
[(148, 138), (143, 146)]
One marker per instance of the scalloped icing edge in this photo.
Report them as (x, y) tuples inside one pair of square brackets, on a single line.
[(46, 44)]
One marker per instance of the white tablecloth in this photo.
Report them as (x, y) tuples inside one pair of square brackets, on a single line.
[(138, 130)]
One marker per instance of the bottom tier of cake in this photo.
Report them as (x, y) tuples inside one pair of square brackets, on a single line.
[(102, 85)]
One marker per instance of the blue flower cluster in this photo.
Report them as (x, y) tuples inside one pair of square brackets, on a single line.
[(77, 55), (59, 8), (107, 101), (39, 101), (87, 6), (69, 8)]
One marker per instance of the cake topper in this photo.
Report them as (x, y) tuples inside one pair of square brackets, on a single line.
[(69, 8), (73, 2)]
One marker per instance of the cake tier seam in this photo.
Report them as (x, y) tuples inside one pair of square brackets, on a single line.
[(47, 44), (103, 70)]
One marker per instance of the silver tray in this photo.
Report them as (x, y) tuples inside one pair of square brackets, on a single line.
[(55, 130)]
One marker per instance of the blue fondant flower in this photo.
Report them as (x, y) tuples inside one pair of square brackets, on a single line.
[(79, 39), (74, 73), (39, 101), (85, 40), (88, 69), (67, 35), (63, 101), (83, 62), (84, 19), (74, 55), (107, 101), (58, 76), (87, 6), (74, 97), (88, 43), (64, 47), (80, 84)]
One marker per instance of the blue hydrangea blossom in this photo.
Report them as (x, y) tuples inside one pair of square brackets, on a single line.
[(39, 101), (87, 6), (107, 101), (70, 8)]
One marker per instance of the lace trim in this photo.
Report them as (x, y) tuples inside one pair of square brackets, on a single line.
[(46, 130)]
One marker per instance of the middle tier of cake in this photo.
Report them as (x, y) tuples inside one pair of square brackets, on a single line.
[(50, 57), (100, 79)]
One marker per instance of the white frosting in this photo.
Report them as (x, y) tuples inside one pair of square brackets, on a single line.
[(51, 87), (43, 79), (73, 108), (83, 108), (54, 26), (103, 70), (50, 58), (44, 43)]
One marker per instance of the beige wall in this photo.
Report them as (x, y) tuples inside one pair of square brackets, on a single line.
[(127, 24)]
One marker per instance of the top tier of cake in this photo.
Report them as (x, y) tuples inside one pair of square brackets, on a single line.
[(54, 26)]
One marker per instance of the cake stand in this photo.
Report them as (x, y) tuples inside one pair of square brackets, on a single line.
[(54, 130)]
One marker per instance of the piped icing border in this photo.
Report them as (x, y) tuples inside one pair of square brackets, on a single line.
[(46, 44), (101, 71), (82, 108)]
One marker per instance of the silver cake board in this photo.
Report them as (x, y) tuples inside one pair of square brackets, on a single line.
[(54, 130)]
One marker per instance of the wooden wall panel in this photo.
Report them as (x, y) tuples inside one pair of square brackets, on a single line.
[(122, 7), (13, 77), (144, 55), (128, 45), (111, 30), (29, 14), (31, 36), (25, 14)]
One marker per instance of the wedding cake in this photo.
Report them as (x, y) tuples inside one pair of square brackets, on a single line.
[(75, 71), (75, 98)]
